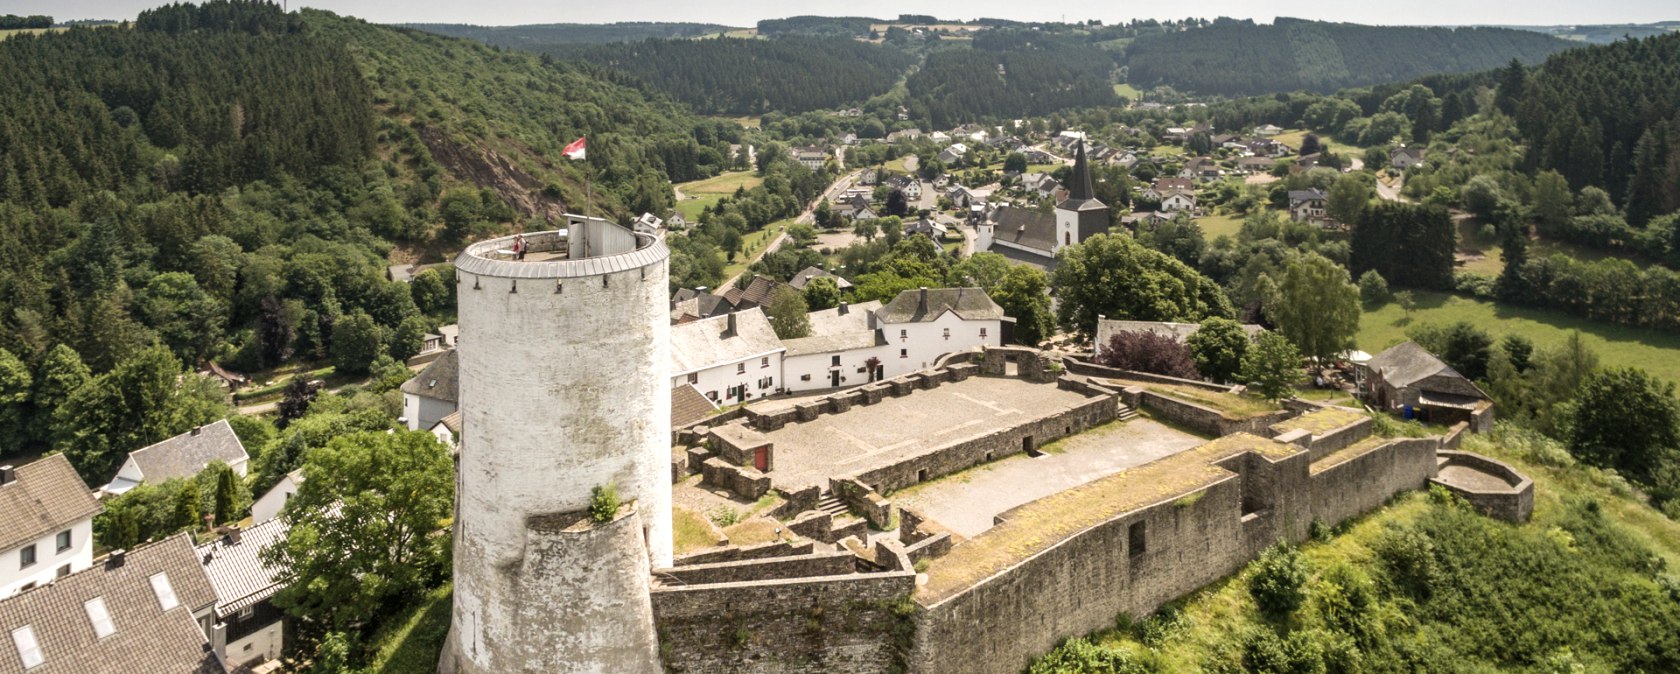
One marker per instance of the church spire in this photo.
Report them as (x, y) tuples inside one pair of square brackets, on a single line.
[(1079, 184)]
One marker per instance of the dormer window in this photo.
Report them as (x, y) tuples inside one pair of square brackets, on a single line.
[(99, 617), (28, 650), (165, 592)]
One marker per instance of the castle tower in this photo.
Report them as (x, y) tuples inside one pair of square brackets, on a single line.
[(564, 386), (1081, 216)]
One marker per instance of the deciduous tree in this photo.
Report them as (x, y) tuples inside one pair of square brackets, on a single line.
[(1315, 306), (1219, 347)]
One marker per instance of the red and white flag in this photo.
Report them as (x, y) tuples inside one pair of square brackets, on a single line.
[(576, 149)]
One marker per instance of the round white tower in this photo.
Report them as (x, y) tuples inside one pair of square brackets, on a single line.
[(564, 387)]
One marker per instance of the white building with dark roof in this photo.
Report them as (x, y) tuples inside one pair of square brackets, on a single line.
[(182, 456), (1034, 237), (432, 394), (147, 610), (46, 523), (730, 359), (838, 350), (921, 325), (255, 630)]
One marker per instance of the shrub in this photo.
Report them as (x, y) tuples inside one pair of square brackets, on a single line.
[(1279, 580), (1148, 352), (1373, 289), (603, 503)]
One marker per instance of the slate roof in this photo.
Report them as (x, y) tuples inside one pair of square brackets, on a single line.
[(188, 453), (923, 305), (1026, 227), (689, 405), (708, 342), (1406, 363), (833, 331), (439, 381), (47, 497), (235, 569), (147, 638), (757, 293), (1298, 196), (803, 277)]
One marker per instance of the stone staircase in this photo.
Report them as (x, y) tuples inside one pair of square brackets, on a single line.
[(831, 505), (1127, 413)]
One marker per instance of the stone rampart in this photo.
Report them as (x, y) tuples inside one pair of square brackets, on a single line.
[(1364, 482), (1201, 418), (1493, 487), (767, 568), (863, 500), (733, 553), (743, 481)]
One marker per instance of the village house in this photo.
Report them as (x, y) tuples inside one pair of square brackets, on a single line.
[(1200, 168), (1408, 381), (1252, 165), (939, 137), (689, 304), (46, 523), (648, 223), (1145, 219), (434, 344), (448, 431), (730, 359), (432, 394), (1040, 185), (1159, 189), (928, 227), (904, 135), (1268, 130), (953, 153), (921, 325), (804, 276), (1405, 157), (1035, 237), (844, 348), (1178, 200), (1037, 156), (755, 294), (183, 456), (150, 609), (1309, 206), (268, 506), (252, 630), (811, 157), (676, 222)]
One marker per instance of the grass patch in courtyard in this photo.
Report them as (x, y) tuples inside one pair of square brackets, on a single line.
[(690, 530), (1616, 345)]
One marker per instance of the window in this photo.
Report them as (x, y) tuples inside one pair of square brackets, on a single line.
[(834, 361), (764, 362), (694, 377), (165, 593), (740, 368), (246, 613), (101, 619), (712, 396), (904, 334), (1067, 238), (64, 540), (804, 377), (28, 650), (982, 333), (64, 571), (903, 353), (26, 556), (1136, 542), (947, 333)]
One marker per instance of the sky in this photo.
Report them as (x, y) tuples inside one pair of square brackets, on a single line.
[(748, 12)]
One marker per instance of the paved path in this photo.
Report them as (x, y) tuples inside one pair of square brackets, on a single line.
[(1392, 193)]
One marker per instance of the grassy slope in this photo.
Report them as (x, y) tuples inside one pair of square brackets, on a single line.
[(1213, 616), (1616, 345), (412, 641)]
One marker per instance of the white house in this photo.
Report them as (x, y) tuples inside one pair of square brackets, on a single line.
[(182, 456), (921, 325), (432, 394), (1175, 200), (268, 506), (46, 524), (838, 351), (648, 223), (254, 630), (912, 189), (730, 359), (448, 430), (953, 153), (1310, 205), (1041, 185)]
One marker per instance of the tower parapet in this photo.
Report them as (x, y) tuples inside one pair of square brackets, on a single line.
[(564, 387)]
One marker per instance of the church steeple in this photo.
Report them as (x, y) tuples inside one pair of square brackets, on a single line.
[(1079, 185)]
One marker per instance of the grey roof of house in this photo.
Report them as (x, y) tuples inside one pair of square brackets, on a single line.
[(708, 342), (47, 496), (147, 638), (236, 570), (804, 276), (1298, 196), (920, 306), (1406, 363), (439, 381), (1026, 227), (188, 453), (689, 405), (758, 292), (833, 331)]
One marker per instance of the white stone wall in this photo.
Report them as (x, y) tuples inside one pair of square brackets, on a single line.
[(48, 559), (818, 365), (268, 506), (915, 346), (718, 379), (564, 386), (265, 644)]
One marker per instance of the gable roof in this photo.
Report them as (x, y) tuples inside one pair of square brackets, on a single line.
[(1315, 194), (188, 453), (147, 637), (710, 342), (804, 277), (758, 292), (689, 405), (927, 304), (45, 497), (235, 568), (1406, 363), (451, 421), (1026, 227), (841, 328), (439, 381)]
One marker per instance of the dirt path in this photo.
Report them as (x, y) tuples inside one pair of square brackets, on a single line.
[(1392, 193)]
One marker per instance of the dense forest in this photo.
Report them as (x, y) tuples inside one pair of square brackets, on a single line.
[(14, 22), (830, 26), (1237, 58), (1010, 73), (538, 35), (751, 77), (227, 183)]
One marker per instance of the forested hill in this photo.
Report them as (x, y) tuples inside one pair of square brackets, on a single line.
[(569, 33), (749, 77), (1011, 73), (1238, 58)]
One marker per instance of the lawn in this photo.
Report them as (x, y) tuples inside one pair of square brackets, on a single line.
[(691, 208), (412, 641), (1125, 90), (1215, 226), (1293, 137), (690, 531), (1165, 150), (1616, 345), (751, 245), (723, 183)]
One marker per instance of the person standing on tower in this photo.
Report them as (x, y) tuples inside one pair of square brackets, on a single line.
[(519, 246)]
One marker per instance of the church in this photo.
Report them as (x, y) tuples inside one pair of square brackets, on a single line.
[(1034, 237)]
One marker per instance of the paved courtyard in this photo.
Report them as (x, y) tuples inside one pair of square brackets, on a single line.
[(895, 428), (967, 501)]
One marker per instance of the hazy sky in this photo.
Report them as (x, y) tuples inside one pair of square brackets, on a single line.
[(747, 12)]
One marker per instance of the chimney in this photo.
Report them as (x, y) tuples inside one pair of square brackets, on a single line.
[(218, 640), (116, 558), (923, 302), (8, 474), (731, 332), (844, 308), (196, 429)]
